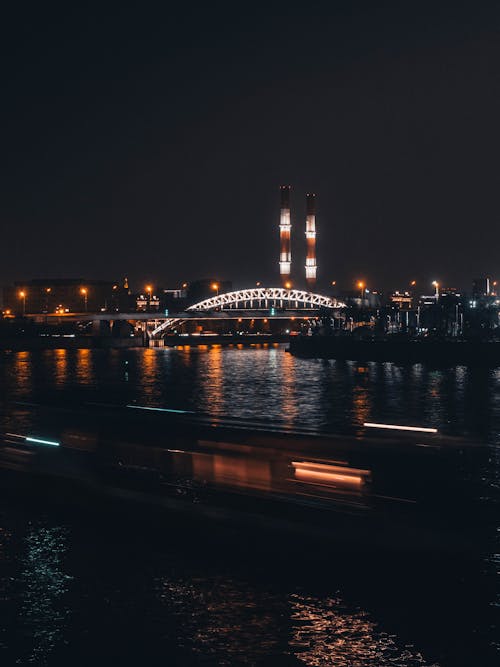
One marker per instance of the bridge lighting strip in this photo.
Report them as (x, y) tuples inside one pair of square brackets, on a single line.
[(179, 412), (395, 427), (39, 441)]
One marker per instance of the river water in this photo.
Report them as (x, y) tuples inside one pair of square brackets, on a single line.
[(76, 588)]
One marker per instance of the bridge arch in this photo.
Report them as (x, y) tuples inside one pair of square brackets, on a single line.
[(260, 298)]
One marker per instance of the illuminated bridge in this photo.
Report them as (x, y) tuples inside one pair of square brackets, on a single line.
[(271, 302)]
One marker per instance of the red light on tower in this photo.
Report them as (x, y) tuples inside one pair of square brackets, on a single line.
[(285, 235)]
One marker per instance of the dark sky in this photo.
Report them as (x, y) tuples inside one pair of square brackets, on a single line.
[(150, 141)]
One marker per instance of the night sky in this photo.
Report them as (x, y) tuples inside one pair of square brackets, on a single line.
[(151, 142)]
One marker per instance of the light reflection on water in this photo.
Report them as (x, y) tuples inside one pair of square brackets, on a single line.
[(325, 633), (43, 585), (228, 622), (221, 619), (261, 383)]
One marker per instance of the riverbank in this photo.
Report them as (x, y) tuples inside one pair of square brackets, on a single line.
[(436, 352), (75, 342), (67, 342)]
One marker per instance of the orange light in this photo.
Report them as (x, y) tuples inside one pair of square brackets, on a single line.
[(49, 289), (215, 286), (265, 321), (257, 284), (361, 284), (149, 289), (184, 285), (413, 283), (288, 284), (83, 291), (7, 312), (334, 282), (321, 473)]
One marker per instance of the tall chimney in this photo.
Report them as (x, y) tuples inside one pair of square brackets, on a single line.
[(285, 230), (311, 240)]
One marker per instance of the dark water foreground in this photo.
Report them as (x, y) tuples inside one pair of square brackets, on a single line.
[(99, 582), (91, 587)]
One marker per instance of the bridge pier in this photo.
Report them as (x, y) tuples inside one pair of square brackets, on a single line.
[(101, 328)]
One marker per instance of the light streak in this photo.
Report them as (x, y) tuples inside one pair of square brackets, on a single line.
[(39, 441), (322, 473), (396, 427), (144, 407)]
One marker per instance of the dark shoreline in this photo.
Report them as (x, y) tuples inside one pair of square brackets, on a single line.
[(440, 353), (24, 344)]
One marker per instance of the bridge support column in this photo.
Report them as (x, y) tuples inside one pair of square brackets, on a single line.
[(101, 328)]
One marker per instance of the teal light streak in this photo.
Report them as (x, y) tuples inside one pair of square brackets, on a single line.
[(39, 441), (179, 412)]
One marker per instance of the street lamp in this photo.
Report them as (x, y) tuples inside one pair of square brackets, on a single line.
[(436, 285), (22, 295), (215, 287), (48, 290), (361, 287), (84, 293), (288, 285), (149, 290)]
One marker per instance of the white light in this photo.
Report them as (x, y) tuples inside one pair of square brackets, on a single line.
[(39, 441), (395, 427)]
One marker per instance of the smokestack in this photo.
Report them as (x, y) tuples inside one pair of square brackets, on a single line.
[(285, 231), (311, 240)]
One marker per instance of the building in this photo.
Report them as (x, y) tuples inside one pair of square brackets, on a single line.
[(481, 287), (401, 299)]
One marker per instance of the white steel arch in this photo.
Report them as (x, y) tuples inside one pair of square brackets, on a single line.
[(163, 326), (264, 297)]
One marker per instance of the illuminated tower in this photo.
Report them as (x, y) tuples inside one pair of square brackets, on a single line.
[(285, 230), (311, 240)]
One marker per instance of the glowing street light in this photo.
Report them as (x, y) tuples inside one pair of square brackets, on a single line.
[(288, 285), (48, 290), (84, 293), (413, 283), (22, 295), (215, 287), (435, 284), (361, 286), (149, 291)]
